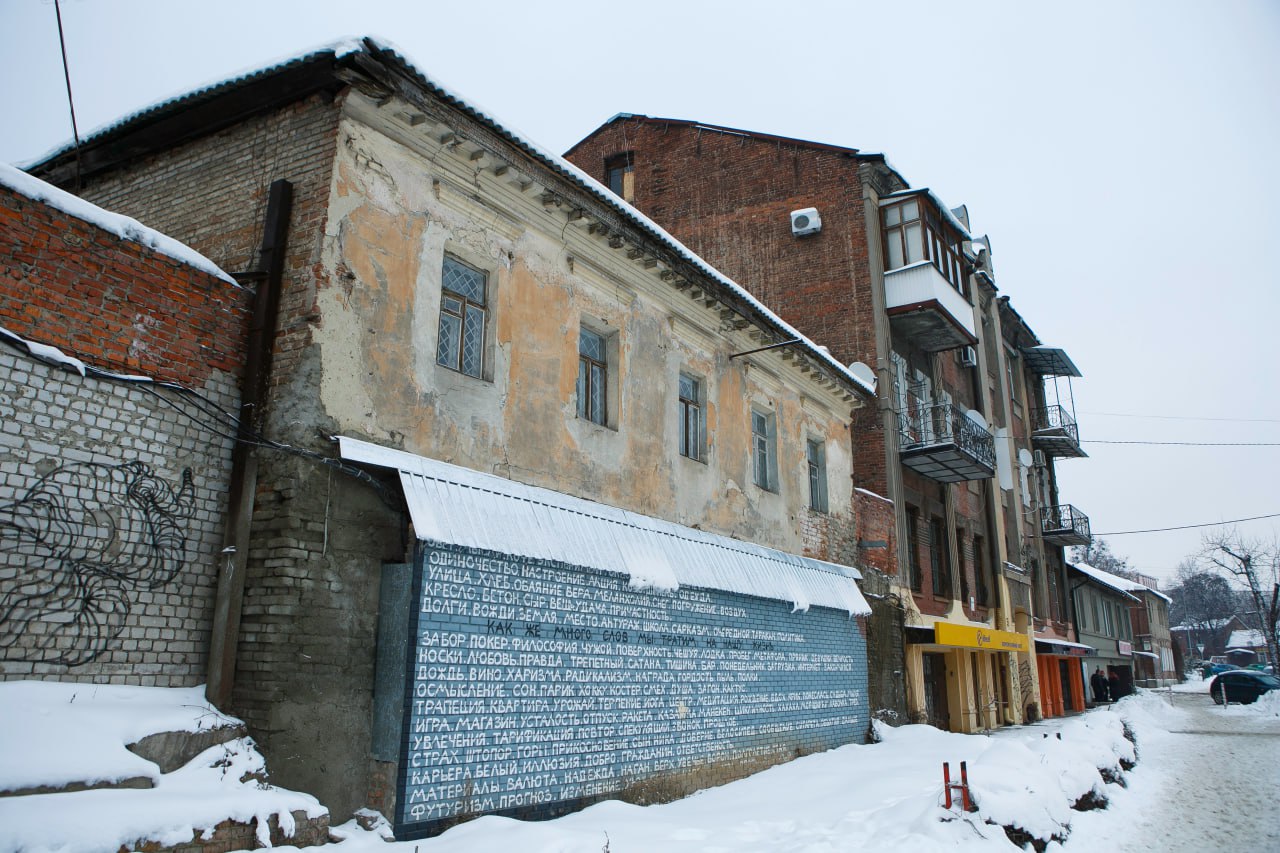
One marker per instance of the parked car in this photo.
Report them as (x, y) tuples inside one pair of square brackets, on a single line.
[(1211, 669), (1241, 685)]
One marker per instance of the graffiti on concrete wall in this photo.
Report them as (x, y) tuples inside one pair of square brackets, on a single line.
[(77, 547)]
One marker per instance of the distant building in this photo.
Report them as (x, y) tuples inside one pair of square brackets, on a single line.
[(1102, 602)]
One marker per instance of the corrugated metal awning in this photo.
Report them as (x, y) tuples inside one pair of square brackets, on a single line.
[(458, 506), (1050, 361)]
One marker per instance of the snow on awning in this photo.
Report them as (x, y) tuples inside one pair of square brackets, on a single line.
[(1067, 645), (459, 506), (1147, 654)]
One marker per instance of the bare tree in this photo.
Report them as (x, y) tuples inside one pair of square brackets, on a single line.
[(1256, 566), (1202, 602), (1099, 555)]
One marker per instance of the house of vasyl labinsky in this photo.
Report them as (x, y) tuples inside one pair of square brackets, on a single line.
[(960, 530), (536, 507)]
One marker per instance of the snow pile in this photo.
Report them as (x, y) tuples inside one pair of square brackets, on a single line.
[(1031, 785), (78, 732), (56, 734)]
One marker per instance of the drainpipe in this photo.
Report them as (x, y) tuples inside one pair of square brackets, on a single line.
[(268, 275)]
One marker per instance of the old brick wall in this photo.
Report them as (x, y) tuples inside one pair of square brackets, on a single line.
[(729, 198), (305, 655), (111, 492)]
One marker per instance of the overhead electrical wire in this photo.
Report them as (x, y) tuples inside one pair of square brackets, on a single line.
[(1186, 443), (1189, 526), (1184, 418)]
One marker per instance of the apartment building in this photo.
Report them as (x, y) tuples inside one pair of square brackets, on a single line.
[(960, 526)]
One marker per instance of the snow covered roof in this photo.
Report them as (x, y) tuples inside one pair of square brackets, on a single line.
[(1121, 585), (382, 52), (455, 505), (1246, 639), (121, 226)]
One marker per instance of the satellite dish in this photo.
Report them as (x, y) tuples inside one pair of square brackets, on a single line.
[(976, 416), (864, 373), (1024, 456)]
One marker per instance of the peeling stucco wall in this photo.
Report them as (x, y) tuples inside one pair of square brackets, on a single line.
[(394, 214)]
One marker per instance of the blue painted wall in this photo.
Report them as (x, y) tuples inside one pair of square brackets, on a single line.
[(535, 687)]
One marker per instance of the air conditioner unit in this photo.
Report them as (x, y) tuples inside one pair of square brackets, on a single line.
[(806, 221), (1039, 458), (969, 357)]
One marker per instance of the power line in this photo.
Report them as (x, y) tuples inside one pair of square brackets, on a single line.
[(1185, 418), (1189, 526), (1187, 443)]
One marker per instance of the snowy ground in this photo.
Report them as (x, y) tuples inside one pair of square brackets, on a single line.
[(1207, 778)]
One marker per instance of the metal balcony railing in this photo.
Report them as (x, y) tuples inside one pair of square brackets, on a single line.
[(1055, 432), (1064, 525), (940, 441)]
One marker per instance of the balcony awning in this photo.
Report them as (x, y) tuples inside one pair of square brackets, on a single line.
[(459, 506), (1049, 361)]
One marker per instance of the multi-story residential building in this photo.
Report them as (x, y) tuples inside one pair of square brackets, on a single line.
[(1101, 603), (950, 509), (1042, 430), (1155, 659), (526, 471)]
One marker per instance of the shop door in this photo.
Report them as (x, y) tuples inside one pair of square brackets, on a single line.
[(1064, 675), (934, 665)]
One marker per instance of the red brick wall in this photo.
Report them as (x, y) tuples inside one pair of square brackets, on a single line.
[(112, 302), (729, 198)]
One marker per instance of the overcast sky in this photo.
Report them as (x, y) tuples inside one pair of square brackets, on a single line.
[(1123, 157)]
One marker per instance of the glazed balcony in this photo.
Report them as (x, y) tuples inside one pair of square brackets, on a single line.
[(1055, 432), (1064, 525), (927, 309), (944, 444)]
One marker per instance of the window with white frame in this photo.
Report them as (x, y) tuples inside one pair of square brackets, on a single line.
[(764, 457), (463, 317), (916, 230), (593, 377), (816, 459)]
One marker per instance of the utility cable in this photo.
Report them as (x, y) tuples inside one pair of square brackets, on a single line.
[(1184, 418), (1187, 443), (1190, 526)]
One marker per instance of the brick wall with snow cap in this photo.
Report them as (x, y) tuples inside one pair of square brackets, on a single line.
[(112, 488)]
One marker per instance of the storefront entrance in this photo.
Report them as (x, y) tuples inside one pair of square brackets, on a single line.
[(937, 713)]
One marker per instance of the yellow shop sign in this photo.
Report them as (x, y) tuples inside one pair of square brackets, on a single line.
[(973, 637)]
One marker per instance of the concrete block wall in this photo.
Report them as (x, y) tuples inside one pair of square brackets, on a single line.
[(111, 493)]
